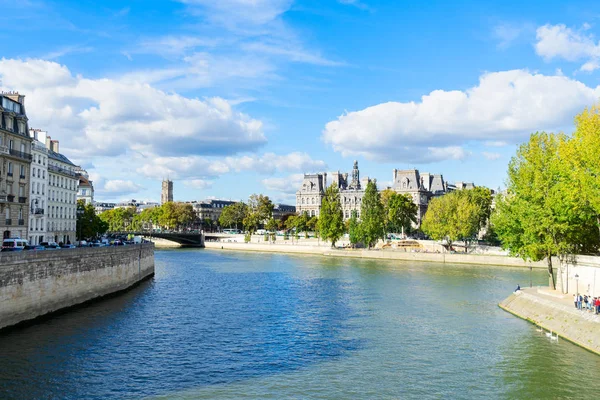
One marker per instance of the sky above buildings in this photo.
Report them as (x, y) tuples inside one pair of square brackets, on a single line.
[(233, 97)]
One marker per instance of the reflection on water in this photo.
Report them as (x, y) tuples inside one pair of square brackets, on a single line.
[(234, 325)]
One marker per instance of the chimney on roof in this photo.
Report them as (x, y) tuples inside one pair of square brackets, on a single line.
[(54, 144), (48, 142), (15, 96)]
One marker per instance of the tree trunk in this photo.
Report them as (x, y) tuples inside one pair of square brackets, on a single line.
[(550, 273)]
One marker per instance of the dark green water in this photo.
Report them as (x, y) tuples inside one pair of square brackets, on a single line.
[(231, 325)]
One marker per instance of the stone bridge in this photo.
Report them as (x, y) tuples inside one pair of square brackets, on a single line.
[(185, 239)]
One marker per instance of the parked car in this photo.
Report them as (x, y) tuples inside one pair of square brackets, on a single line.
[(14, 244), (68, 246), (50, 245)]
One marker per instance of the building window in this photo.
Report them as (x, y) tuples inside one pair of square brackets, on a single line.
[(10, 167)]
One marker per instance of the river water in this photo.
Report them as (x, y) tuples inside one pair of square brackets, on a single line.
[(227, 325)]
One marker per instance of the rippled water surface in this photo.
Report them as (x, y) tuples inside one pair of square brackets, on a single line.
[(236, 325)]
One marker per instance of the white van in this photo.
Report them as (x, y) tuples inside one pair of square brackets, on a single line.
[(14, 244)]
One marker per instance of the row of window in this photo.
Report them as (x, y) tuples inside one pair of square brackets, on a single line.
[(52, 226), (62, 182), (39, 159), (10, 170), (41, 173), (57, 212), (9, 188), (57, 195), (7, 212)]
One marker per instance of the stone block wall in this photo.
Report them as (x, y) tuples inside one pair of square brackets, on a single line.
[(34, 283)]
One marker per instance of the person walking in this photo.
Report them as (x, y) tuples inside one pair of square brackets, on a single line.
[(579, 302), (575, 300), (597, 303), (585, 302)]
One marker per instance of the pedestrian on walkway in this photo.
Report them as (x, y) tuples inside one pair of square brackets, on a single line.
[(585, 302), (575, 300), (597, 303), (579, 301)]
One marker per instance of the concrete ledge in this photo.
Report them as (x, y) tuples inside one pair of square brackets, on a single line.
[(376, 254), (33, 284), (557, 315)]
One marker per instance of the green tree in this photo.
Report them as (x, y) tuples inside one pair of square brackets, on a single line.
[(401, 213), (354, 229), (119, 219), (185, 214), (542, 216), (371, 216), (452, 217), (169, 215), (233, 215), (260, 210), (583, 154), (302, 223), (88, 225), (331, 220)]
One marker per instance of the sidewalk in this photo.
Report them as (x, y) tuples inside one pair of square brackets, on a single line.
[(555, 312)]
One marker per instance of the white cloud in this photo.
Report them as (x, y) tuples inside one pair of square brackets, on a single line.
[(560, 41), (199, 184), (270, 163), (173, 45), (108, 117), (196, 167), (508, 33), (355, 3), (490, 156), (495, 143), (505, 106), (288, 185), (120, 187), (239, 14), (590, 66), (292, 52)]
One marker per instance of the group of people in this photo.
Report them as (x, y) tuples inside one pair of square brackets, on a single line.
[(585, 302)]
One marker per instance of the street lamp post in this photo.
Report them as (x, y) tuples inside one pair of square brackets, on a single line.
[(577, 281)]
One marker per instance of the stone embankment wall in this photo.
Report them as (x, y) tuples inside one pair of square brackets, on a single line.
[(580, 274), (35, 283), (556, 313), (377, 254)]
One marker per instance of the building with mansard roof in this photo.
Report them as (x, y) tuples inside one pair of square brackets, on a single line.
[(422, 187), (351, 188), (15, 162), (38, 210), (63, 182)]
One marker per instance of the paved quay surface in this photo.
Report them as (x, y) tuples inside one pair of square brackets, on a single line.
[(556, 312), (326, 250)]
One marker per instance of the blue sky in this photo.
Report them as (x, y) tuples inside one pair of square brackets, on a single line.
[(234, 97)]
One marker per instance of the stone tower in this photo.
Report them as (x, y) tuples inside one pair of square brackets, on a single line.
[(355, 183), (166, 194)]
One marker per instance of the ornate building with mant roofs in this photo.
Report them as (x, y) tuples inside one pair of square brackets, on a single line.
[(311, 193), (422, 187), (15, 162)]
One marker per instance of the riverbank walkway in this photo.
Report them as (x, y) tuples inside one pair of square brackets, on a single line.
[(555, 311)]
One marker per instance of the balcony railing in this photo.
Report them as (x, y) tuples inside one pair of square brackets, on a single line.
[(38, 211), (21, 222), (4, 149), (3, 198), (60, 170), (21, 176), (23, 200), (20, 154), (8, 221), (11, 197)]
